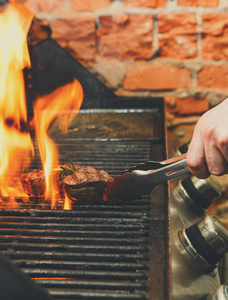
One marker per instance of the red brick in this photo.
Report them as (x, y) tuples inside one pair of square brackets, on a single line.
[(186, 106), (177, 23), (45, 6), (88, 5), (156, 77), (178, 37), (77, 35), (215, 36), (145, 3), (205, 3), (213, 77), (126, 37)]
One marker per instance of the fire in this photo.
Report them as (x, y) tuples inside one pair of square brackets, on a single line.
[(14, 57), (15, 142), (67, 203), (64, 102)]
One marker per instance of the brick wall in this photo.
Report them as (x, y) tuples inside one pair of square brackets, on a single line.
[(172, 48)]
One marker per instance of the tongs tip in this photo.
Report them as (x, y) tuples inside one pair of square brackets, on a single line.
[(140, 180)]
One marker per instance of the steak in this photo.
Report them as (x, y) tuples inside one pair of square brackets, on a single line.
[(86, 185), (34, 183)]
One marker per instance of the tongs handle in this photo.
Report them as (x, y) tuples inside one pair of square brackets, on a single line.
[(173, 159), (173, 168)]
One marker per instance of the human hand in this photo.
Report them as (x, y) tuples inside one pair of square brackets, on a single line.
[(208, 149)]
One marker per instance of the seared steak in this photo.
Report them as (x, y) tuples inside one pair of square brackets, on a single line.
[(86, 185), (34, 182)]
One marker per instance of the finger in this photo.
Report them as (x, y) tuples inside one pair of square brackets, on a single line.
[(196, 156), (222, 141), (224, 151), (216, 154), (215, 147), (217, 164)]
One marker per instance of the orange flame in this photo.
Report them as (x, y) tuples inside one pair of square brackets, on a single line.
[(64, 102), (67, 204), (14, 57)]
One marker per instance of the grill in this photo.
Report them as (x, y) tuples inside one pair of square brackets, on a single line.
[(98, 251), (101, 251)]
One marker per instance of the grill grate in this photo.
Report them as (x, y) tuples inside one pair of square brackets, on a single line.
[(112, 257), (91, 252)]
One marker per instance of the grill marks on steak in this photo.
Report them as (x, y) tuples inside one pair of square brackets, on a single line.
[(86, 185)]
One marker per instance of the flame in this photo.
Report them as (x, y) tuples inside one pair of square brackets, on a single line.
[(67, 204), (15, 142), (14, 57), (64, 102)]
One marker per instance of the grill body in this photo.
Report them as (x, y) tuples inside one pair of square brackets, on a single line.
[(101, 251)]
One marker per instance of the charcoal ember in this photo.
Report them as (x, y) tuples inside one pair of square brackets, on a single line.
[(86, 185), (34, 183)]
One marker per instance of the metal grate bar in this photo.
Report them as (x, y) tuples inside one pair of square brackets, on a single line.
[(80, 265), (71, 240), (72, 248), (76, 227), (107, 257), (112, 275), (107, 212), (119, 286), (69, 295), (39, 233)]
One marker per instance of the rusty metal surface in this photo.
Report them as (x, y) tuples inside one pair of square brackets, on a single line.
[(127, 124)]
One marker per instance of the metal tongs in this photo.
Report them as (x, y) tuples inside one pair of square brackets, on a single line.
[(141, 179)]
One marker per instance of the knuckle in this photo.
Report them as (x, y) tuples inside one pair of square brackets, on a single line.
[(216, 171), (209, 132), (193, 164), (222, 142), (198, 168)]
